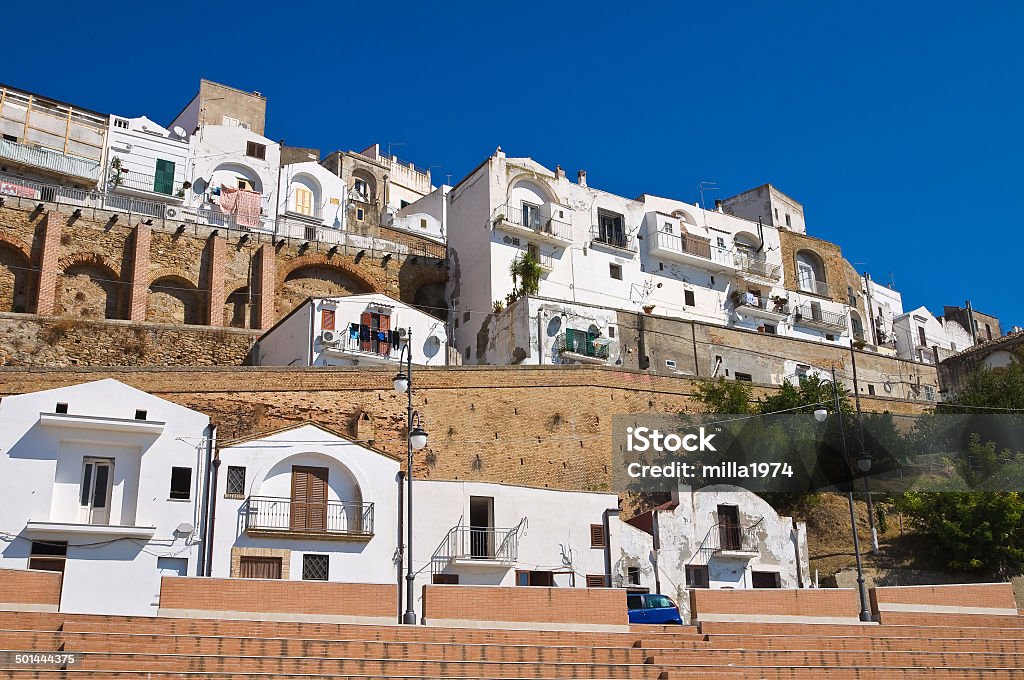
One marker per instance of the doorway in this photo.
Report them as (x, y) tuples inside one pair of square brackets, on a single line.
[(97, 477), (729, 527), (481, 527)]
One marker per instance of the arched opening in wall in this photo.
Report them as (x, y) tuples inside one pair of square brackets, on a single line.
[(525, 197), (236, 176), (88, 291), (364, 186), (317, 280), (175, 300), (15, 273), (239, 309), (304, 195), (810, 273), (856, 325), (430, 298)]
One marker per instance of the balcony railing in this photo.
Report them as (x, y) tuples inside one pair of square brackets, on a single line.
[(814, 315), (362, 339), (535, 222), (695, 246), (478, 543), (729, 537), (268, 515), (762, 303), (52, 161), (815, 287), (583, 344), (138, 181), (622, 241), (757, 267)]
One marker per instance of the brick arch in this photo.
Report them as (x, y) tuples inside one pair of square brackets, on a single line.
[(90, 260), (15, 243), (321, 260), (172, 272), (89, 286)]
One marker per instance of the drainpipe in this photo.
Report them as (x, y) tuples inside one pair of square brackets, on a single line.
[(204, 515), (693, 336), (607, 521), (970, 322), (871, 306), (657, 547), (213, 518), (401, 544)]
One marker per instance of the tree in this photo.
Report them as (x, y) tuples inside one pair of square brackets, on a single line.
[(526, 273), (724, 396)]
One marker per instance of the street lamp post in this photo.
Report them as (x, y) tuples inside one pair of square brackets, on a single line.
[(416, 439), (864, 464)]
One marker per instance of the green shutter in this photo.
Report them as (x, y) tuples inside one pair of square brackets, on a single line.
[(163, 182)]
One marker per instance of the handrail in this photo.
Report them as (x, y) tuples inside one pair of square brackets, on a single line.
[(712, 543), (269, 513), (535, 222)]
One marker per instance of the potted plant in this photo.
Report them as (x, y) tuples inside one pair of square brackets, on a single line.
[(779, 302), (648, 309), (859, 343), (498, 306), (738, 297)]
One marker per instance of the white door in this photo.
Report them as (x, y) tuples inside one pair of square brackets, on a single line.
[(97, 480), (805, 277)]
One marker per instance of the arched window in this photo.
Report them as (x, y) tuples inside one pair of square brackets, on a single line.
[(810, 273)]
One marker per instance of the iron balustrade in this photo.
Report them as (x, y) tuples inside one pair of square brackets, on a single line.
[(615, 239), (535, 222), (815, 314), (757, 267), (698, 246), (478, 543), (729, 537), (139, 181), (583, 343), (815, 287), (269, 514), (48, 159), (765, 303)]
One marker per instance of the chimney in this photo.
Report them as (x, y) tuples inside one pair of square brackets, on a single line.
[(559, 172), (581, 178), (718, 205)]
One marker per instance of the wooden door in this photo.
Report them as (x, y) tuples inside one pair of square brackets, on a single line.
[(309, 498)]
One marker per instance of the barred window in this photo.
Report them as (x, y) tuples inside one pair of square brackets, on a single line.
[(315, 567), (235, 481)]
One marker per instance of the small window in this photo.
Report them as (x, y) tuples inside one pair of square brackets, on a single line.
[(140, 414), (596, 581), (669, 229), (515, 241), (535, 578), (789, 223), (359, 214), (228, 121), (721, 242), (466, 353), (315, 567), (829, 336), (327, 319), (235, 481), (670, 363), (48, 555), (770, 329), (712, 280), (11, 138), (61, 407), (633, 576), (615, 271), (765, 579), (121, 123), (445, 579), (254, 150), (744, 377), (697, 576), (688, 298), (988, 331), (871, 389), (611, 331), (929, 393), (597, 538), (776, 213), (244, 184), (466, 315), (423, 223), (181, 483), (661, 266)]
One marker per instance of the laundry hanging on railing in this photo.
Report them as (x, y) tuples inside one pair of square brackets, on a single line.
[(243, 203)]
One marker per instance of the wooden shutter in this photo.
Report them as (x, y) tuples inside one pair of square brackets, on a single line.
[(163, 180), (595, 581), (327, 319), (385, 326), (309, 498), (259, 567), (366, 320), (303, 201), (597, 536)]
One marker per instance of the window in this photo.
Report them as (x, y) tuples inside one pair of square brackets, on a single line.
[(235, 481), (94, 496), (611, 331), (11, 138), (163, 179), (230, 122), (829, 336), (688, 298), (327, 319), (744, 377), (670, 363), (181, 483), (871, 389), (244, 184), (929, 393), (770, 329), (597, 539), (466, 315), (535, 578), (533, 251), (988, 331), (850, 297), (697, 576), (303, 201), (359, 213), (921, 336), (515, 242), (315, 567), (596, 581), (466, 353), (402, 204), (423, 223), (721, 242), (659, 602), (615, 271), (48, 555), (259, 567), (61, 407), (254, 150), (661, 266), (361, 189), (634, 602), (121, 123), (776, 213), (609, 229), (445, 579), (531, 218), (765, 579), (789, 223), (633, 576), (669, 229), (140, 414)]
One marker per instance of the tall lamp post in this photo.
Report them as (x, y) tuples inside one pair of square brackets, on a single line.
[(416, 439), (863, 464)]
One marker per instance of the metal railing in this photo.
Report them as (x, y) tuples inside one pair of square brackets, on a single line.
[(269, 514), (47, 159), (764, 303), (533, 221), (478, 543), (697, 246), (815, 287), (728, 537), (346, 342), (757, 267), (808, 313), (583, 343), (138, 181), (619, 240)]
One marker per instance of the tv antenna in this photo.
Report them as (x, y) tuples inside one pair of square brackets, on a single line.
[(702, 186)]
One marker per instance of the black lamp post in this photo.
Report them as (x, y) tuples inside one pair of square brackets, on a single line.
[(416, 439), (863, 464)]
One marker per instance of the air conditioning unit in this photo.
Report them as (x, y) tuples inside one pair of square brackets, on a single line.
[(329, 337), (403, 333), (171, 212)]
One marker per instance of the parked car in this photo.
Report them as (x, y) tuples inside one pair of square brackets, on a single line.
[(647, 608)]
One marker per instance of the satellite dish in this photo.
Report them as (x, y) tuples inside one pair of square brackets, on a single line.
[(185, 528), (178, 130)]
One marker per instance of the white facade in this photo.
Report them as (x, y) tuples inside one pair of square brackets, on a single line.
[(111, 475), (715, 537), (343, 331), (146, 160), (233, 157), (604, 250), (918, 334), (886, 304), (427, 216), (312, 194)]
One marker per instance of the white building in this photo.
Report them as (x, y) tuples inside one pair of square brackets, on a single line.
[(919, 336), (604, 250), (427, 216), (146, 161), (356, 330), (102, 482), (313, 201), (885, 304), (715, 537)]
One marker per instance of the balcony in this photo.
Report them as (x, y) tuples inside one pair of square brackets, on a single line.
[(620, 241), (365, 349), (816, 317), (478, 547), (815, 287), (141, 182), (756, 269), (517, 220), (729, 540), (582, 347), (50, 161), (690, 249), (762, 307), (327, 521)]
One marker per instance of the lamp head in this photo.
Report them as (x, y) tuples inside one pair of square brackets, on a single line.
[(401, 383), (418, 438), (820, 414), (864, 463)]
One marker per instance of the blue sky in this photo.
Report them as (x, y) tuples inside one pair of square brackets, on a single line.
[(897, 125)]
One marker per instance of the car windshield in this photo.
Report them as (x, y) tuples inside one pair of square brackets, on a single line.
[(658, 602), (634, 602)]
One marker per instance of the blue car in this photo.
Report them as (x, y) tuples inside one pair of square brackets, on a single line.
[(645, 608)]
